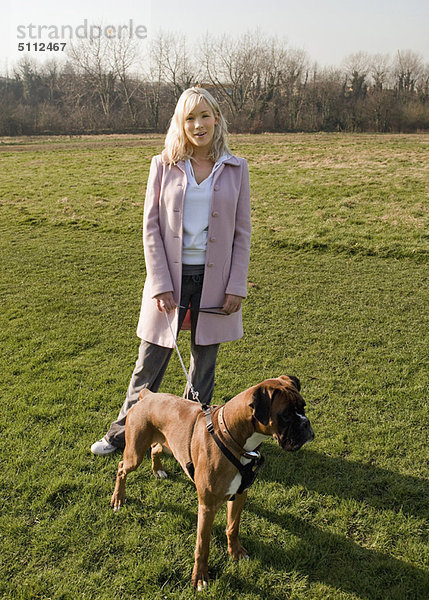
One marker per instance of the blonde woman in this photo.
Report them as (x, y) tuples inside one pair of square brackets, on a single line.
[(196, 237)]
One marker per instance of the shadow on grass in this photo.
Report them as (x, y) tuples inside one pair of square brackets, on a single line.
[(338, 562), (376, 487), (332, 558), (321, 556)]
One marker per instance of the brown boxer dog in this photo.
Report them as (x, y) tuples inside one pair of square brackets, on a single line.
[(272, 408)]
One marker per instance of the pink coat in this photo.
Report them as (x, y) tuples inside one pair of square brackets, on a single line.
[(227, 255)]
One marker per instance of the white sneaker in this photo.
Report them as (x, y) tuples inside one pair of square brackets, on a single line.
[(102, 447)]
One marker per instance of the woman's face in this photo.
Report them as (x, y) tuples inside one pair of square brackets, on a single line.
[(200, 125)]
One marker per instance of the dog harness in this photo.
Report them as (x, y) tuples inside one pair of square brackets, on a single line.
[(247, 471)]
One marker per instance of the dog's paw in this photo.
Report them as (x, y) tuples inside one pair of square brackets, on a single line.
[(202, 585), (160, 474), (239, 553), (117, 503), (200, 579)]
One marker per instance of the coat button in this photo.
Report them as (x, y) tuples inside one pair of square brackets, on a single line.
[(176, 209), (215, 214), (217, 188), (210, 265), (212, 239)]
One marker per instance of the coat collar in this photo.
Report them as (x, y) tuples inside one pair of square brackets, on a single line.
[(231, 160)]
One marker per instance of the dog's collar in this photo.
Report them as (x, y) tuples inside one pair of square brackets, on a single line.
[(223, 429)]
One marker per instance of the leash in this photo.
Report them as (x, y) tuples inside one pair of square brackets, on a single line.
[(195, 394), (248, 471)]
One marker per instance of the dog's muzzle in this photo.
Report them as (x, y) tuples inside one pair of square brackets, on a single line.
[(296, 436), (306, 430)]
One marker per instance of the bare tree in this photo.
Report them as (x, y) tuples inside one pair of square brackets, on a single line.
[(293, 81), (27, 72), (262, 84), (408, 68), (379, 70), (231, 67), (326, 99), (73, 100), (423, 84), (93, 58), (170, 59), (50, 72), (123, 56), (154, 77), (258, 77), (357, 67)]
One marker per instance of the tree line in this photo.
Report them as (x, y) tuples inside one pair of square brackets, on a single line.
[(261, 83)]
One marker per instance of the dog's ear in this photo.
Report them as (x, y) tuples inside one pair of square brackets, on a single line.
[(295, 381), (261, 404)]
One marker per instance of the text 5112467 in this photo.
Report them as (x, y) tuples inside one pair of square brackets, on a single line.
[(41, 46)]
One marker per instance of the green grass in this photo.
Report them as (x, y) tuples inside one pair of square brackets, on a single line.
[(338, 295)]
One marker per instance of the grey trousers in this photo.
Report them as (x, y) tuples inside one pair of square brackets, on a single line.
[(153, 360)]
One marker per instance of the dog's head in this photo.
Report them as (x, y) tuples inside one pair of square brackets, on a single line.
[(278, 410)]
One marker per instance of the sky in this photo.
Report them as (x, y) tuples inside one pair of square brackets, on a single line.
[(329, 30)]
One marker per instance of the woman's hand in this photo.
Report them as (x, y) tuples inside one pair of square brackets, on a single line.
[(165, 302), (231, 304)]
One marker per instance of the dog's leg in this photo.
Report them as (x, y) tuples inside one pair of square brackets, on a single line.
[(157, 468), (118, 497), (235, 507), (133, 456), (200, 573)]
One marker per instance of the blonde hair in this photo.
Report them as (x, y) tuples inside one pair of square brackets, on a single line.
[(177, 145)]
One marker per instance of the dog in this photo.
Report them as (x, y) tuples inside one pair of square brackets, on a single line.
[(273, 408)]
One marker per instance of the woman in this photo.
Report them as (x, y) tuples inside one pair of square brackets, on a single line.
[(196, 236)]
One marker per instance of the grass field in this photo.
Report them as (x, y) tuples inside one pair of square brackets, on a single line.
[(338, 295)]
